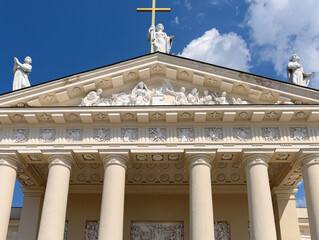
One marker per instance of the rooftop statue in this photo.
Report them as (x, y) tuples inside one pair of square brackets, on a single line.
[(295, 72), (162, 43), (21, 73)]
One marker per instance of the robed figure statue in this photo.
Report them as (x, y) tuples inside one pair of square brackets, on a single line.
[(21, 73), (295, 72), (162, 43)]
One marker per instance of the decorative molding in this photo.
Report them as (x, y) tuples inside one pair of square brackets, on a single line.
[(199, 159), (185, 134), (113, 159), (60, 160), (309, 160)]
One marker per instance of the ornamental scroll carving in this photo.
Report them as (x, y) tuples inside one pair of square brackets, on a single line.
[(157, 231)]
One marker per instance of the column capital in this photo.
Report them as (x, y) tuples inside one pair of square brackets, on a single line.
[(115, 159), (9, 161), (62, 160), (200, 159), (307, 160), (256, 159), (284, 193)]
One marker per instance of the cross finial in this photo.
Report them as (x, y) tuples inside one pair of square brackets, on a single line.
[(153, 10)]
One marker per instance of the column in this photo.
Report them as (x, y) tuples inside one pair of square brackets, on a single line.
[(30, 215), (55, 199), (8, 174), (201, 202), (112, 209), (310, 173), (286, 213), (261, 214)]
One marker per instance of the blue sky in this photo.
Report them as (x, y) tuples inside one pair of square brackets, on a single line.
[(66, 37)]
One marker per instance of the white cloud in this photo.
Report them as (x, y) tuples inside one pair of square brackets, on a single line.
[(176, 20), (301, 202), (227, 50), (281, 28), (187, 4)]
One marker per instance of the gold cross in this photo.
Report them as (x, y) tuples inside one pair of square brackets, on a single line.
[(153, 10)]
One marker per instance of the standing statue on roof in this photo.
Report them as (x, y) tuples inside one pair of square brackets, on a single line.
[(21, 73), (162, 42), (295, 72)]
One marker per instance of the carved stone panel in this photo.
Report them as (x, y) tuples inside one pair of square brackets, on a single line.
[(222, 230), (157, 230), (92, 231)]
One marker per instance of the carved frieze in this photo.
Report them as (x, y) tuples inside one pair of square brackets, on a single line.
[(21, 135), (102, 134), (214, 134), (299, 133), (242, 133), (158, 134), (129, 134), (74, 134), (157, 230), (270, 134), (47, 135), (185, 134)]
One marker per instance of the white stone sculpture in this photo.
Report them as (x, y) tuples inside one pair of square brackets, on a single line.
[(295, 72), (222, 99), (193, 97), (140, 94), (93, 98), (222, 230), (239, 101), (162, 43), (120, 99), (206, 99), (157, 231), (299, 133), (21, 73), (180, 97)]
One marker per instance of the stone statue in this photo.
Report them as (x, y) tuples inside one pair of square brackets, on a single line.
[(222, 99), (140, 94), (180, 97), (239, 101), (193, 97), (162, 43), (295, 72), (93, 98), (21, 73), (207, 98)]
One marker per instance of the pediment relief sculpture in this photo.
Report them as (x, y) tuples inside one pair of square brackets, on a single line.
[(163, 95)]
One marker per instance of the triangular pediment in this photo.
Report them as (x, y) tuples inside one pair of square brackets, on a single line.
[(162, 76)]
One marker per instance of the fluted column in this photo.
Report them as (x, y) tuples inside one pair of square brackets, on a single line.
[(55, 199), (310, 173), (112, 209), (261, 214), (201, 202), (8, 174)]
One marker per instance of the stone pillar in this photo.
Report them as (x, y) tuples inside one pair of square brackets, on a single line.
[(201, 202), (310, 173), (8, 174), (30, 215), (112, 209), (55, 199), (286, 213), (261, 214)]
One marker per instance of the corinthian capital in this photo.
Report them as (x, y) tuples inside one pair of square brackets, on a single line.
[(62, 160)]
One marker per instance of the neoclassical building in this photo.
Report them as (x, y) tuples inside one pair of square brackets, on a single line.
[(160, 147)]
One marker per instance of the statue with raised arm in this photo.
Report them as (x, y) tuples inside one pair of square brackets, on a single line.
[(162, 42), (295, 72), (21, 73)]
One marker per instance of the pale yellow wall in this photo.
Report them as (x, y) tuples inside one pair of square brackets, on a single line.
[(159, 207)]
